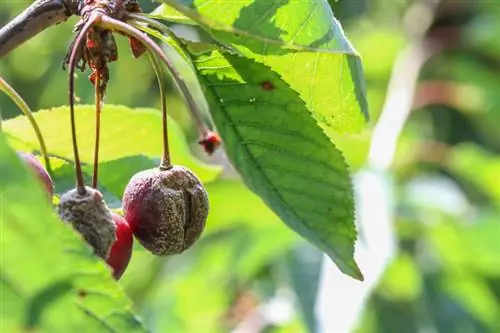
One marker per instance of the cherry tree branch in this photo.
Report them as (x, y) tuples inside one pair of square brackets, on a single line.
[(33, 20)]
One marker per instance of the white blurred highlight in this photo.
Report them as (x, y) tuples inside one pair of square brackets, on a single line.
[(341, 299)]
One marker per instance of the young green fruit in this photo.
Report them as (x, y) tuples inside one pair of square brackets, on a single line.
[(121, 251), (166, 209), (39, 171), (90, 216)]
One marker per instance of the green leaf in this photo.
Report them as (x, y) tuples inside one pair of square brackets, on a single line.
[(402, 280), (49, 278), (300, 40), (281, 152), (475, 296), (125, 133), (478, 166), (281, 24), (304, 265)]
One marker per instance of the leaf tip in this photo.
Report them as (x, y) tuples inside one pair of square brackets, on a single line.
[(348, 267)]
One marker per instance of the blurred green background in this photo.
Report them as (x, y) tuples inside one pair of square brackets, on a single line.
[(445, 276)]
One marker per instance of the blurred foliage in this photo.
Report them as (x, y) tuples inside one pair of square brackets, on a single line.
[(446, 275), (65, 277)]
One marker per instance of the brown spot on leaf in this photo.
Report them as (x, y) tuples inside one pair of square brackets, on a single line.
[(267, 85)]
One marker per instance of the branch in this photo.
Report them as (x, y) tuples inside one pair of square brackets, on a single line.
[(398, 103), (36, 18)]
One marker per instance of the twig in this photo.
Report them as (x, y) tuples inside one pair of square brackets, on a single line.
[(36, 18), (398, 104)]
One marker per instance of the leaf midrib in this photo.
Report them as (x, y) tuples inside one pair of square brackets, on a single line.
[(283, 202)]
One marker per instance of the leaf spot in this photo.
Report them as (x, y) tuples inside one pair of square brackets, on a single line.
[(82, 293), (267, 85)]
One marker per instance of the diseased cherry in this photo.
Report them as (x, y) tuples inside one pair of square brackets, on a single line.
[(166, 209), (39, 171), (90, 216), (121, 251)]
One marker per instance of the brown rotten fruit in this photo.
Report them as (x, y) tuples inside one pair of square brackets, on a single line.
[(90, 216), (166, 209)]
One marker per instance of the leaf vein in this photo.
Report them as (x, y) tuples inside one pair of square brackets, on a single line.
[(313, 161), (303, 176), (269, 128)]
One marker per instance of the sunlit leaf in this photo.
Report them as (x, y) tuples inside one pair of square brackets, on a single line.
[(300, 40), (125, 133), (281, 153)]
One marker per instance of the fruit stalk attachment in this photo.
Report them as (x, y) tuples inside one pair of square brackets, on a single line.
[(80, 186), (98, 108), (209, 140), (165, 160)]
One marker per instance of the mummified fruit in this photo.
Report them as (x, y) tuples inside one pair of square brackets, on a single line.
[(121, 251), (90, 216), (166, 209), (39, 172)]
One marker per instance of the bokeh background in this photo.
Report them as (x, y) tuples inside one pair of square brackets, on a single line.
[(249, 273)]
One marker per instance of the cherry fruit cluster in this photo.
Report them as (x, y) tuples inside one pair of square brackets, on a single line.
[(166, 207)]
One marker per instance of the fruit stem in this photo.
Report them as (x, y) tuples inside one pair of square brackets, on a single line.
[(80, 185), (23, 106), (165, 160), (98, 107), (113, 24), (195, 113)]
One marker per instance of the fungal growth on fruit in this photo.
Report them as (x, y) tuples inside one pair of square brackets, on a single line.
[(39, 172), (90, 216), (121, 251), (166, 209)]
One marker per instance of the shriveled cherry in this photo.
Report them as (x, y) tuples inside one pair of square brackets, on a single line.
[(90, 216), (121, 251), (39, 171), (166, 209)]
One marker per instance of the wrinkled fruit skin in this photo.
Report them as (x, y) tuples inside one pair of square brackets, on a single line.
[(166, 209), (90, 216), (121, 251), (39, 172)]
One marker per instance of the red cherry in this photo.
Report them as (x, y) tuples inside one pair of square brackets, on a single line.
[(39, 171), (121, 251)]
